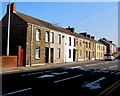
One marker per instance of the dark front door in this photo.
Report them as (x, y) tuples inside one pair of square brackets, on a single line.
[(89, 56), (46, 55), (74, 55), (51, 54)]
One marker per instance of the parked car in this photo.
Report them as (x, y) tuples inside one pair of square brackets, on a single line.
[(109, 57)]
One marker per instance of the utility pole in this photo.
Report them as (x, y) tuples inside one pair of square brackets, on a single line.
[(8, 37)]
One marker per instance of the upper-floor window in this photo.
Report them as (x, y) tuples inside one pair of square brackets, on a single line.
[(69, 41), (38, 34), (59, 39), (89, 45), (52, 37), (80, 43), (74, 42), (86, 44), (47, 36)]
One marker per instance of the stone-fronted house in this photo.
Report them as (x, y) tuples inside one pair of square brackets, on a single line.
[(110, 47), (43, 42), (38, 38)]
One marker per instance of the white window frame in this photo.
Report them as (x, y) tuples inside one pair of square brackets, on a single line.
[(58, 53), (52, 37), (38, 34), (59, 38), (47, 36), (37, 53)]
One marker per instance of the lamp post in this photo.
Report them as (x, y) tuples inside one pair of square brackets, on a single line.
[(8, 36)]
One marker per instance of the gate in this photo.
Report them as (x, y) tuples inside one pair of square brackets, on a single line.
[(20, 57)]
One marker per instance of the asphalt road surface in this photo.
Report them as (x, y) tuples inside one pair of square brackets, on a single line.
[(90, 79), (103, 65)]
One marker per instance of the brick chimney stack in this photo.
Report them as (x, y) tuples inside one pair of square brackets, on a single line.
[(70, 29), (12, 7)]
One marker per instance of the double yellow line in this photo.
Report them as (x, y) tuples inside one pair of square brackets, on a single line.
[(110, 89)]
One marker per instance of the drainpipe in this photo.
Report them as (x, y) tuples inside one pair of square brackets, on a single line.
[(8, 37), (84, 50), (31, 40)]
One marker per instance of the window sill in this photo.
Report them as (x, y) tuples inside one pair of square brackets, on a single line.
[(37, 58)]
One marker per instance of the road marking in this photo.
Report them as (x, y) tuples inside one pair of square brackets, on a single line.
[(76, 67), (32, 74), (36, 73), (113, 66), (68, 78), (109, 88), (17, 91), (55, 73), (91, 65), (103, 68)]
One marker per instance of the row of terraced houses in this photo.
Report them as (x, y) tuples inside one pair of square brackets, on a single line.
[(43, 42)]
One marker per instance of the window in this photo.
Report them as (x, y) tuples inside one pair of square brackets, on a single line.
[(58, 53), (52, 37), (80, 43), (59, 39), (47, 36), (89, 45), (93, 53), (86, 53), (37, 35), (69, 41), (86, 45), (69, 53), (74, 42), (80, 53), (37, 53)]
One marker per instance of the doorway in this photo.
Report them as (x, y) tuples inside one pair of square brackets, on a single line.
[(74, 54), (46, 55), (51, 54), (89, 55)]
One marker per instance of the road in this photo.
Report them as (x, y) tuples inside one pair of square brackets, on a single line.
[(88, 79), (103, 65)]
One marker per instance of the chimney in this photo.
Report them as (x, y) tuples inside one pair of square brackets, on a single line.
[(70, 29), (84, 34), (88, 35), (110, 41), (12, 7), (93, 37)]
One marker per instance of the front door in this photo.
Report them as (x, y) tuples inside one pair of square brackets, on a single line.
[(89, 55), (46, 55), (74, 55), (51, 54)]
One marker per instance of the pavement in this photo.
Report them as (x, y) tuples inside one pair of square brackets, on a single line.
[(40, 67)]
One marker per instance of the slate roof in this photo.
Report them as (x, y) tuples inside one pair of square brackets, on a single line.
[(30, 19)]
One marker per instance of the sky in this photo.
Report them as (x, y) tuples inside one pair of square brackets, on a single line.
[(96, 18)]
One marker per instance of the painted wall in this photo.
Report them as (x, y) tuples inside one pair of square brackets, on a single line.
[(67, 47)]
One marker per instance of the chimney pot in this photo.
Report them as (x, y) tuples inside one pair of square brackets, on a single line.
[(12, 7), (70, 29)]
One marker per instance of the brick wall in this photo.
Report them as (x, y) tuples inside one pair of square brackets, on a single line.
[(8, 61)]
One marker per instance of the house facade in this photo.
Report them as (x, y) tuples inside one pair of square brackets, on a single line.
[(44, 43), (110, 47), (70, 48), (100, 51)]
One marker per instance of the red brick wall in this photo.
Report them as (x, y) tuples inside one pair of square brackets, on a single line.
[(8, 61)]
